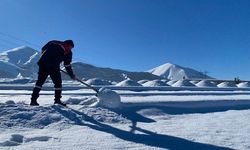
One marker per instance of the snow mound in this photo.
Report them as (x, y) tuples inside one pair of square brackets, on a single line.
[(97, 81), (176, 72), (183, 83), (91, 107), (128, 82), (244, 85), (108, 98), (226, 84), (21, 115), (17, 115), (88, 101), (165, 80), (171, 82), (142, 81), (155, 83), (205, 83), (194, 81)]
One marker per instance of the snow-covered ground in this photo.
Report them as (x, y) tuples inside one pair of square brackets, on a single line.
[(146, 120)]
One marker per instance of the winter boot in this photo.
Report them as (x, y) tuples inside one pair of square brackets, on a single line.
[(59, 102), (35, 96), (34, 103)]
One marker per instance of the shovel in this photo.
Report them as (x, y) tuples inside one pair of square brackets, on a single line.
[(107, 98), (89, 86)]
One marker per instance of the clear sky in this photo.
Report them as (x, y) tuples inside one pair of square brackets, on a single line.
[(137, 35)]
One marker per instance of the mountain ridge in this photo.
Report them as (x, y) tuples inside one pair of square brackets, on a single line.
[(23, 61)]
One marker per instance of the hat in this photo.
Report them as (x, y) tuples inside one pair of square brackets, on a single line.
[(70, 42)]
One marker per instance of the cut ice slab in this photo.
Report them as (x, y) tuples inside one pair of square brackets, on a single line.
[(108, 98)]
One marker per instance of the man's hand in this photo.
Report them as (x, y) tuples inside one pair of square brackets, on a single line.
[(73, 77)]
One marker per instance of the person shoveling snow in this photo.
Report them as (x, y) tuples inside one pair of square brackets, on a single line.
[(55, 52)]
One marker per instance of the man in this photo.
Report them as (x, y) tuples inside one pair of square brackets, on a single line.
[(53, 53)]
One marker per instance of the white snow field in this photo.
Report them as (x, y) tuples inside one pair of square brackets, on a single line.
[(177, 119)]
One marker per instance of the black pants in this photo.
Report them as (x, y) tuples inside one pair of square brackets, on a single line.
[(55, 75)]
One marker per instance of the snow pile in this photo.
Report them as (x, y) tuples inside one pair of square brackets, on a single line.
[(183, 83), (88, 101), (176, 72), (171, 82), (128, 82), (205, 83), (91, 106), (226, 84), (165, 80), (155, 83), (194, 81), (97, 81), (108, 98), (244, 85), (21, 115), (142, 81), (105, 98)]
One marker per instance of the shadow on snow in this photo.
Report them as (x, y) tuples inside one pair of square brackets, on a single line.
[(150, 138)]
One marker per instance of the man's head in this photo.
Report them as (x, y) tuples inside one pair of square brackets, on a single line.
[(69, 42)]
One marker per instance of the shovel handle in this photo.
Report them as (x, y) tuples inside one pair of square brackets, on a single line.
[(89, 86)]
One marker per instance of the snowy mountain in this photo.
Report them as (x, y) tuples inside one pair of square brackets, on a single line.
[(20, 56), (176, 72), (22, 61), (87, 71)]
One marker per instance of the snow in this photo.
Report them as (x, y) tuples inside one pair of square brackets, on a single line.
[(8, 70), (226, 85), (171, 82), (176, 72), (183, 83), (108, 98), (19, 56), (142, 81), (184, 119), (155, 83), (194, 81), (244, 85), (97, 81), (205, 83), (23, 60), (128, 82)]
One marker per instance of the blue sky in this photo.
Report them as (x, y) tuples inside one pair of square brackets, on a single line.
[(137, 35)]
